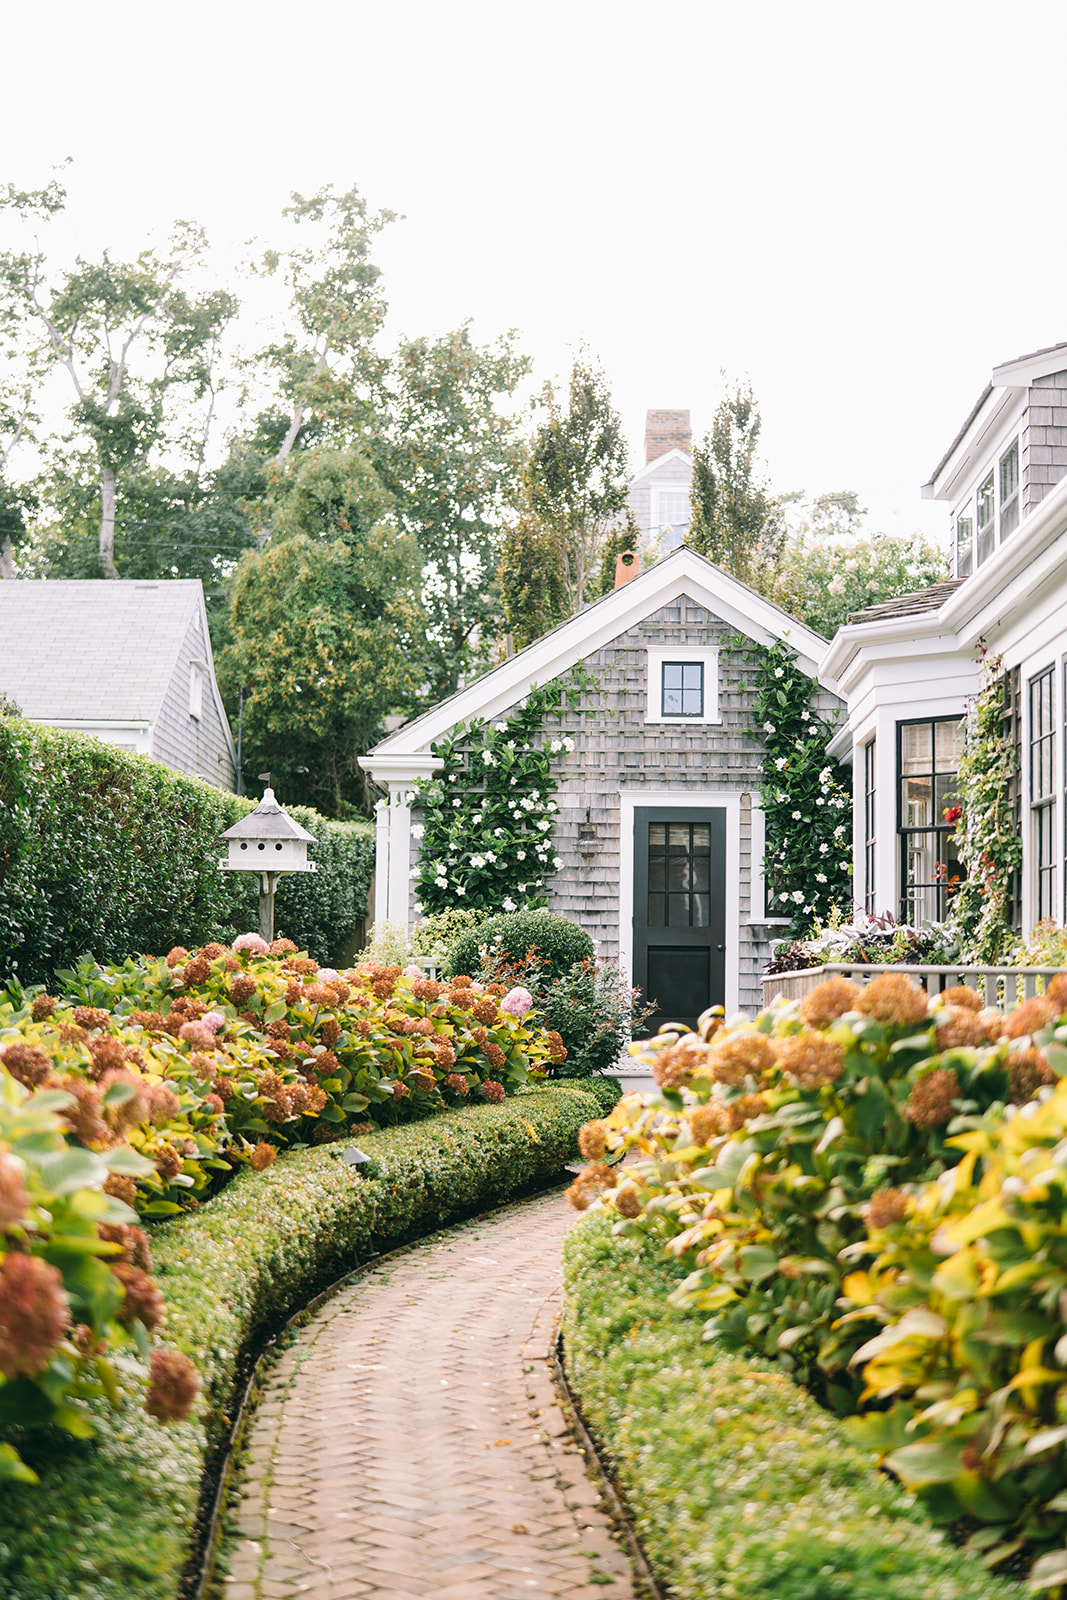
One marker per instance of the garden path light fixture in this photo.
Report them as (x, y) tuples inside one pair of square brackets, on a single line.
[(269, 842)]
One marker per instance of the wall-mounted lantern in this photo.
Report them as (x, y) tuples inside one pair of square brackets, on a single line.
[(269, 842)]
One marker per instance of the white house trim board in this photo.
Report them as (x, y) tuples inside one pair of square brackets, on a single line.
[(708, 657), (681, 573), (668, 455), (693, 799)]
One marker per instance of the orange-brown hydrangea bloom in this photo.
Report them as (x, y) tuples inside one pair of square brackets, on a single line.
[(84, 1116), (445, 1055), (677, 1064), (930, 1102), (961, 994), (212, 951), (173, 1386), (27, 1062), (134, 1110), (242, 988), (627, 1201), (457, 1083), (734, 1057), (462, 982), (426, 988), (593, 1140), (885, 1207), (485, 1010), (14, 1200), (91, 1016), (43, 1006), (992, 1022), (150, 1021), (198, 970), (961, 1027), (121, 1188), (811, 1059), (168, 1162), (34, 1313), (557, 1050), (707, 1122), (142, 1300), (1033, 1015), (176, 956), (894, 999), (829, 1001), (1056, 993), (1028, 1071), (263, 1156)]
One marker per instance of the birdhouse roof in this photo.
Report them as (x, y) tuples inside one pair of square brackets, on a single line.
[(268, 821)]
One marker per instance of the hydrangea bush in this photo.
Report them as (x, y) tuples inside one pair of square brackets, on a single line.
[(870, 1189)]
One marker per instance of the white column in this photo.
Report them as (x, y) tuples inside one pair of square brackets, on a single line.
[(381, 861), (399, 875)]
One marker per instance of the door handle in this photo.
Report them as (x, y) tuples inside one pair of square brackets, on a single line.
[(720, 947)]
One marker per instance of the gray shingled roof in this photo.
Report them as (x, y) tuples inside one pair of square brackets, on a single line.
[(92, 649), (908, 605)]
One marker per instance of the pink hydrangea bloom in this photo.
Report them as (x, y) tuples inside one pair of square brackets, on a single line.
[(252, 942), (517, 1002), (327, 975), (213, 1020), (413, 972)]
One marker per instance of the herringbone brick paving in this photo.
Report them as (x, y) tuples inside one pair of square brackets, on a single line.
[(410, 1442)]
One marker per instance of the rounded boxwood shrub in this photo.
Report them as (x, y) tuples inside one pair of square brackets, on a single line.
[(558, 941)]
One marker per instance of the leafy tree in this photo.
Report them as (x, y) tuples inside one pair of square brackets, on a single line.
[(94, 323), (322, 361), (448, 448), (325, 632), (735, 520), (532, 591), (576, 476), (823, 577), (626, 537)]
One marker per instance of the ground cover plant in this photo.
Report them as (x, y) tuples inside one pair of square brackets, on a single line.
[(866, 1188), (740, 1485), (106, 852), (116, 1516)]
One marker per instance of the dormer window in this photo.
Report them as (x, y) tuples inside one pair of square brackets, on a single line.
[(986, 519), (1009, 491), (964, 542)]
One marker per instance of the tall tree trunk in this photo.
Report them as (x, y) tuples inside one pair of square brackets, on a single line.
[(7, 559), (107, 523)]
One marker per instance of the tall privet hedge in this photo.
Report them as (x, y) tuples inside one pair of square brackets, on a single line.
[(113, 854)]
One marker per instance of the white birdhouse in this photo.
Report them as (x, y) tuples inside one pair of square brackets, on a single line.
[(267, 840)]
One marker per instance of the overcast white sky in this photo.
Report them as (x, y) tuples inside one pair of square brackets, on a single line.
[(858, 206)]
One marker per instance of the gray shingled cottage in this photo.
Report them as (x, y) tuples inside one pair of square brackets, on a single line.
[(661, 777), (126, 661)]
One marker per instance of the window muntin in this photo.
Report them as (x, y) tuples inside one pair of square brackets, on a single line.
[(669, 508), (1009, 491), (985, 510), (869, 796), (682, 689), (964, 543), (928, 755), (1043, 793)]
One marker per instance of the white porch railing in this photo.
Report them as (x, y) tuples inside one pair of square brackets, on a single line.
[(998, 986)]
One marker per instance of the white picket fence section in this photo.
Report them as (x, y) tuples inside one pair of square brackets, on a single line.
[(998, 986)]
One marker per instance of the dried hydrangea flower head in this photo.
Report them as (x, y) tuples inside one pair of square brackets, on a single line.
[(493, 1091), (173, 1386), (894, 999), (811, 1059), (930, 1102), (34, 1314), (961, 994), (1031, 1017), (28, 1063), (830, 1000), (14, 1200), (885, 1207), (735, 1057), (1028, 1071), (593, 1140)]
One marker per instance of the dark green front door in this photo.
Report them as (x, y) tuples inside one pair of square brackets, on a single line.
[(680, 911)]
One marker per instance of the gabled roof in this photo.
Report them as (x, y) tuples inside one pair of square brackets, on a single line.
[(683, 572), (912, 604), (672, 455), (96, 649), (1017, 374)]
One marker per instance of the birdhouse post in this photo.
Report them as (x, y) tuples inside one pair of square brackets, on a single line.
[(270, 843)]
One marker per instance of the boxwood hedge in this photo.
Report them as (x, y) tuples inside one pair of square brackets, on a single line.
[(111, 854), (115, 1518), (740, 1485)]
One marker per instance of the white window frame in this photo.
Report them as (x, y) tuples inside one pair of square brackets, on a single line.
[(708, 656), (657, 525)]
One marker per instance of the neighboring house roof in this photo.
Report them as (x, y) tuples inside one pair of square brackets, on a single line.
[(1016, 374), (673, 458), (912, 604), (97, 649), (405, 753)]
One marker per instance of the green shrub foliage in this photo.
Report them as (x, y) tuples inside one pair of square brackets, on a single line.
[(559, 943), (124, 1509), (111, 854), (741, 1486)]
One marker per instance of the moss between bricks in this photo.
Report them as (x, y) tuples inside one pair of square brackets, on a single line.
[(740, 1486), (116, 1517)]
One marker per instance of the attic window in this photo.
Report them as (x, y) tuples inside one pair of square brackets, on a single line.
[(196, 689), (683, 684), (669, 508), (986, 524)]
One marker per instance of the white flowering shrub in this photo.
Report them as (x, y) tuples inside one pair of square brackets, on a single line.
[(806, 798), (490, 812)]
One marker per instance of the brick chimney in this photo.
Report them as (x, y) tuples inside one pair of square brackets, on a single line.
[(666, 430)]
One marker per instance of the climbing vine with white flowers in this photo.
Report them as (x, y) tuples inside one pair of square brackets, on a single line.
[(489, 813), (806, 797)]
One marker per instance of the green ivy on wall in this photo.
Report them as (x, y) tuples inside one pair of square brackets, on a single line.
[(806, 796), (489, 814), (987, 838)]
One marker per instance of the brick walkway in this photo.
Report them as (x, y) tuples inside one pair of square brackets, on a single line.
[(410, 1442)]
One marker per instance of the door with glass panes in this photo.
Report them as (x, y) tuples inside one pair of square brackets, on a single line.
[(679, 941)]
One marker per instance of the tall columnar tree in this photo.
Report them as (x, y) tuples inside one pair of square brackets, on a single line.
[(576, 476), (735, 520), (138, 348), (447, 446), (532, 590)]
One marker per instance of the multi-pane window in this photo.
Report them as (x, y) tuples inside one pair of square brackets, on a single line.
[(964, 541), (669, 508), (985, 510), (1009, 491), (868, 827), (682, 693), (928, 759), (1043, 792), (679, 875)]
